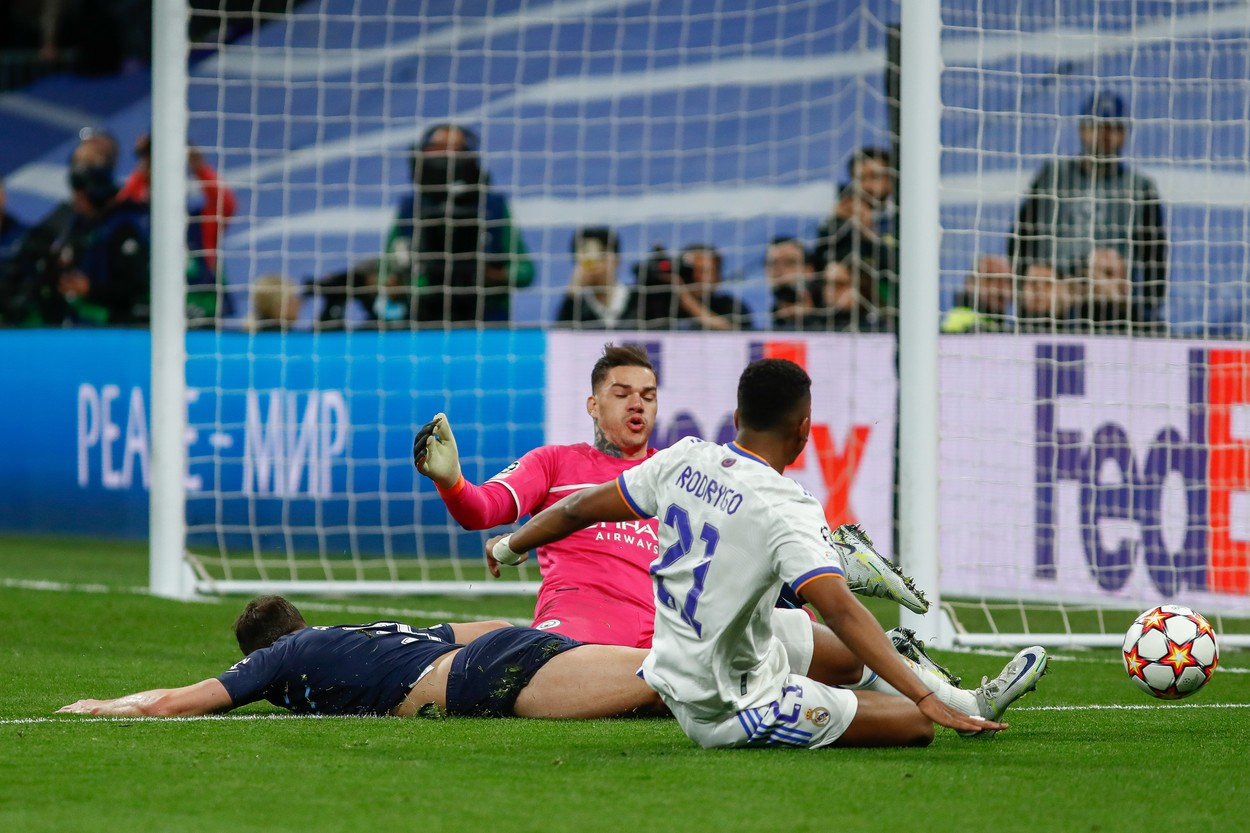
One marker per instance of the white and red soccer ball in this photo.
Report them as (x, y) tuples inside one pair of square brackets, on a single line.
[(1170, 652)]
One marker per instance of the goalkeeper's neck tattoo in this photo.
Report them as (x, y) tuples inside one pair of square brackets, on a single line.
[(605, 445)]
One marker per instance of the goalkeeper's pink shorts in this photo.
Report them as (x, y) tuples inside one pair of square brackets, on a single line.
[(589, 617)]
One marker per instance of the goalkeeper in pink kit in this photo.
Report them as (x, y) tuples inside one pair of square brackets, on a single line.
[(596, 584), (596, 587)]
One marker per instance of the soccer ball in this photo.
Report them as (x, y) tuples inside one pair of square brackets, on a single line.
[(1170, 652)]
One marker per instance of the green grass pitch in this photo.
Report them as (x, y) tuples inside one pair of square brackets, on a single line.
[(1074, 759)]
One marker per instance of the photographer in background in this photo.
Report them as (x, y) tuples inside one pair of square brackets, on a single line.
[(863, 224), (789, 272), (87, 264), (702, 305), (453, 238), (380, 305), (595, 300), (685, 294)]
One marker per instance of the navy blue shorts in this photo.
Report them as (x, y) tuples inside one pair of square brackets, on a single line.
[(487, 674)]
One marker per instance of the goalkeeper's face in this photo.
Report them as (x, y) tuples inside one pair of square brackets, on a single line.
[(624, 406)]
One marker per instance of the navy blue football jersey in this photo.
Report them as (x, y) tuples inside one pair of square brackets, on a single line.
[(341, 669)]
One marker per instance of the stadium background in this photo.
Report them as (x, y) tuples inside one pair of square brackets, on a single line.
[(727, 123), (78, 622), (724, 122)]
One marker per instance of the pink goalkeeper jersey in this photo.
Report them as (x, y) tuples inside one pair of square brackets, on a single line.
[(610, 560)]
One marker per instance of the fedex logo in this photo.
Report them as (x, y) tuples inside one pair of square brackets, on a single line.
[(1172, 493)]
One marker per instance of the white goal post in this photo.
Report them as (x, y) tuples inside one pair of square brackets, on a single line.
[(1042, 416)]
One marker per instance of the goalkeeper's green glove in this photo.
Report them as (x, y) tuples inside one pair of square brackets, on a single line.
[(434, 452)]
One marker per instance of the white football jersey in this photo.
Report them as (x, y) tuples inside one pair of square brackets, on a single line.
[(732, 530)]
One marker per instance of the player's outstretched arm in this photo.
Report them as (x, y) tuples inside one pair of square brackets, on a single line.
[(575, 512), (435, 455), (434, 452), (205, 697), (862, 633)]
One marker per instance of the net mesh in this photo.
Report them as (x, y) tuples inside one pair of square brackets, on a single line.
[(1091, 420)]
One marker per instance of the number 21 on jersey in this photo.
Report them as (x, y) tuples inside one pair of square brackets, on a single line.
[(679, 520)]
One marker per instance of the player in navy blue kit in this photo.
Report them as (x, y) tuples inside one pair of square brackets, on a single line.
[(477, 669)]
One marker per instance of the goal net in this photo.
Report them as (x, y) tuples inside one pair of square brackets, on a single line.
[(1090, 453), (671, 123)]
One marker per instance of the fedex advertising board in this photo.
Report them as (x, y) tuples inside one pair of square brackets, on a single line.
[(849, 461), (1101, 469)]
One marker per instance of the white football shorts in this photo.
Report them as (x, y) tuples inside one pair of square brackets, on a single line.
[(793, 629), (805, 714)]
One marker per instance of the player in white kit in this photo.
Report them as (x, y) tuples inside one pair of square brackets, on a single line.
[(732, 530)]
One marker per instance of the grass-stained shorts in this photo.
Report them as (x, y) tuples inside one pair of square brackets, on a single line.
[(487, 674)]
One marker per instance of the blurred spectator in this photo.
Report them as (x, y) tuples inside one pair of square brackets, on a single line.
[(21, 279), (104, 141), (863, 225), (1096, 201), (984, 301), (453, 237), (595, 300), (96, 148), (11, 232), (1107, 295), (843, 300), (1044, 301), (95, 269), (208, 214), (789, 272), (276, 304), (96, 273), (701, 305), (383, 304)]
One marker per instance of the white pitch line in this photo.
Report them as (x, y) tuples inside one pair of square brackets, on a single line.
[(62, 587), (325, 607), (68, 719), (1133, 708)]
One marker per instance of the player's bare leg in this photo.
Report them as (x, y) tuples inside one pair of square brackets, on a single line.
[(885, 720), (832, 662), (590, 681)]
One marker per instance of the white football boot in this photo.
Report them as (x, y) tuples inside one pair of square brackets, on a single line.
[(1017, 679), (868, 573)]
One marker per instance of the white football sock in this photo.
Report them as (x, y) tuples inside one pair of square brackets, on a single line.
[(958, 699)]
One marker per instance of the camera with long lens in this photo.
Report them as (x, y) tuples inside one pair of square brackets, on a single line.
[(657, 278)]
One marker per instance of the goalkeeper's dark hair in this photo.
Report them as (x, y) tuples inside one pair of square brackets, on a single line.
[(770, 393), (264, 621), (618, 355)]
